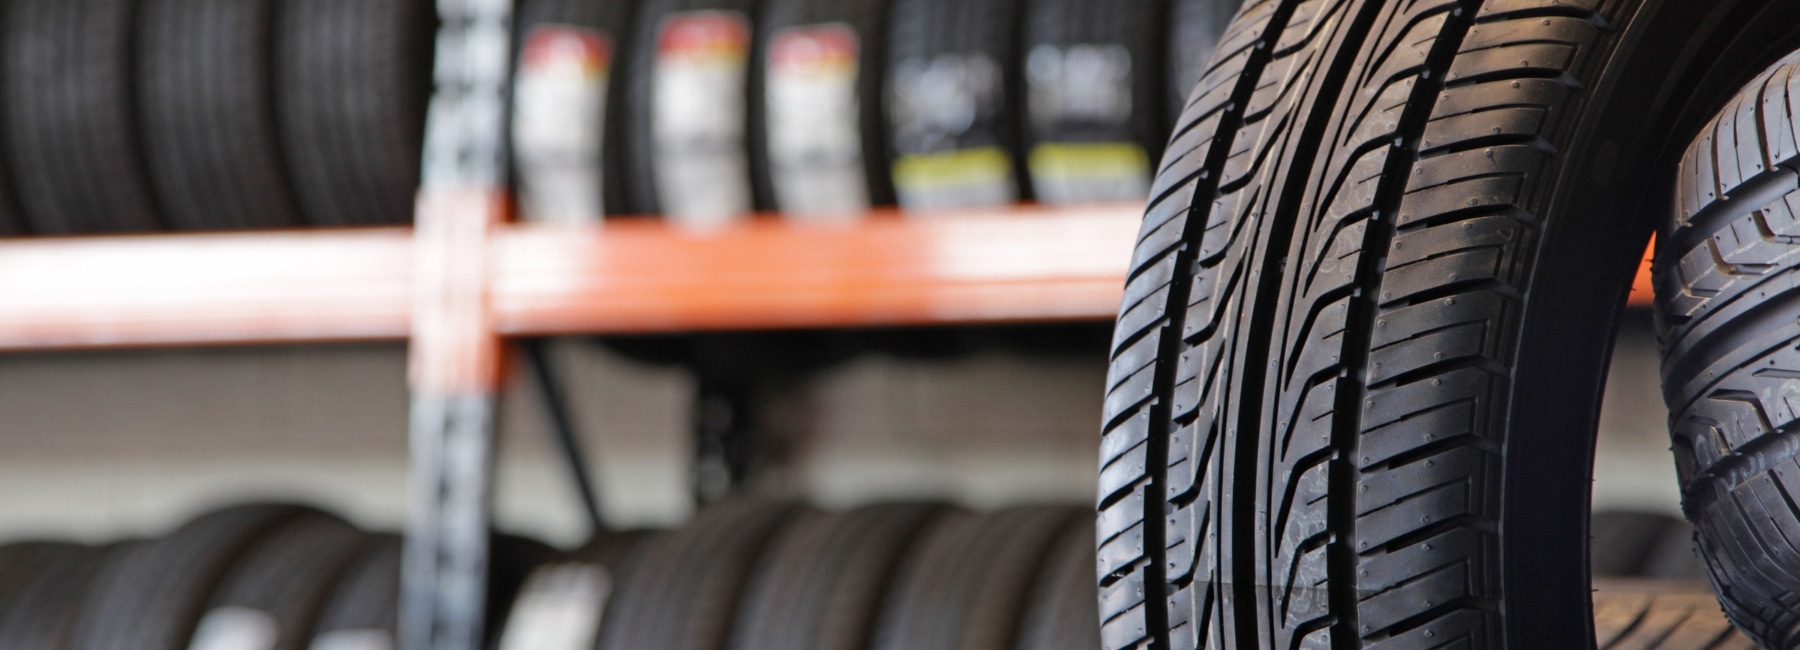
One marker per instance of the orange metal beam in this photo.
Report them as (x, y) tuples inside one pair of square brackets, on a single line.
[(1025, 264), (1016, 265), (148, 290)]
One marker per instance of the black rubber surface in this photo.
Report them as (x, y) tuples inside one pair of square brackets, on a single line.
[(207, 113), (1661, 615), (611, 20), (1064, 105), (965, 583), (69, 128), (151, 595), (1060, 613), (351, 81), (43, 612), (289, 575), (685, 592), (1727, 314), (640, 82), (868, 20), (1195, 27), (822, 583), (923, 31), (22, 562), (366, 599), (1357, 365)]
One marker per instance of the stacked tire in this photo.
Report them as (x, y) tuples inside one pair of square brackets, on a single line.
[(744, 575), (137, 115), (1357, 365), (821, 110)]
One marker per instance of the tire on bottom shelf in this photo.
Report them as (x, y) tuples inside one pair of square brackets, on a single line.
[(362, 611), (1727, 311), (685, 587), (964, 586), (44, 609), (151, 595), (1353, 381), (821, 584), (273, 595)]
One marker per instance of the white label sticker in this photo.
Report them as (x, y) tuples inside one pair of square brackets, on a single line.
[(354, 640), (698, 117), (815, 131), (558, 609), (559, 117), (236, 628), (941, 107), (1080, 105)]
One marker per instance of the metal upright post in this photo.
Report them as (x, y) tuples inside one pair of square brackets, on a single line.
[(455, 363)]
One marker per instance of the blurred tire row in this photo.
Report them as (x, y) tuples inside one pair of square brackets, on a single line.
[(136, 115), (744, 575), (821, 109), (140, 115)]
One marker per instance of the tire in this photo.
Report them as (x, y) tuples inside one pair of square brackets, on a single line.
[(821, 585), (279, 586), (44, 611), (965, 584), (1195, 27), (363, 609), (352, 78), (1724, 273), (1661, 615), (1353, 388), (22, 562), (564, 171), (686, 589), (65, 77), (151, 595), (1060, 614), (1094, 96), (818, 159), (206, 108), (970, 156), (699, 172), (563, 603)]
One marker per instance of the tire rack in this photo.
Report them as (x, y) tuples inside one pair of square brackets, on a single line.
[(465, 278)]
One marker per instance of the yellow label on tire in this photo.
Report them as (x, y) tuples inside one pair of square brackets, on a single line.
[(964, 177), (1073, 172)]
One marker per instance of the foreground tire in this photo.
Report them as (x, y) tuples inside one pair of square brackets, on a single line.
[(1727, 311), (1357, 367)]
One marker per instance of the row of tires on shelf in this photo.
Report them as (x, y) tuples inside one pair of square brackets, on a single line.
[(137, 115), (821, 109), (743, 575)]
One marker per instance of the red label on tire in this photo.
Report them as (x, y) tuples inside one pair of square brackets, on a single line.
[(698, 117), (814, 125)]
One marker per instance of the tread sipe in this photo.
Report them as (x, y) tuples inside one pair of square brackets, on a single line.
[(1727, 311), (1353, 387)]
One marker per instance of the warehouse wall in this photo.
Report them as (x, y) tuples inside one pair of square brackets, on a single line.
[(101, 444)]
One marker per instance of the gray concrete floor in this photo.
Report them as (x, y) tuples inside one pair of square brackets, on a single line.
[(96, 445)]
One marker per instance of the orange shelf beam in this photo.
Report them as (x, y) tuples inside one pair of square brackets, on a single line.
[(204, 289), (1026, 264)]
